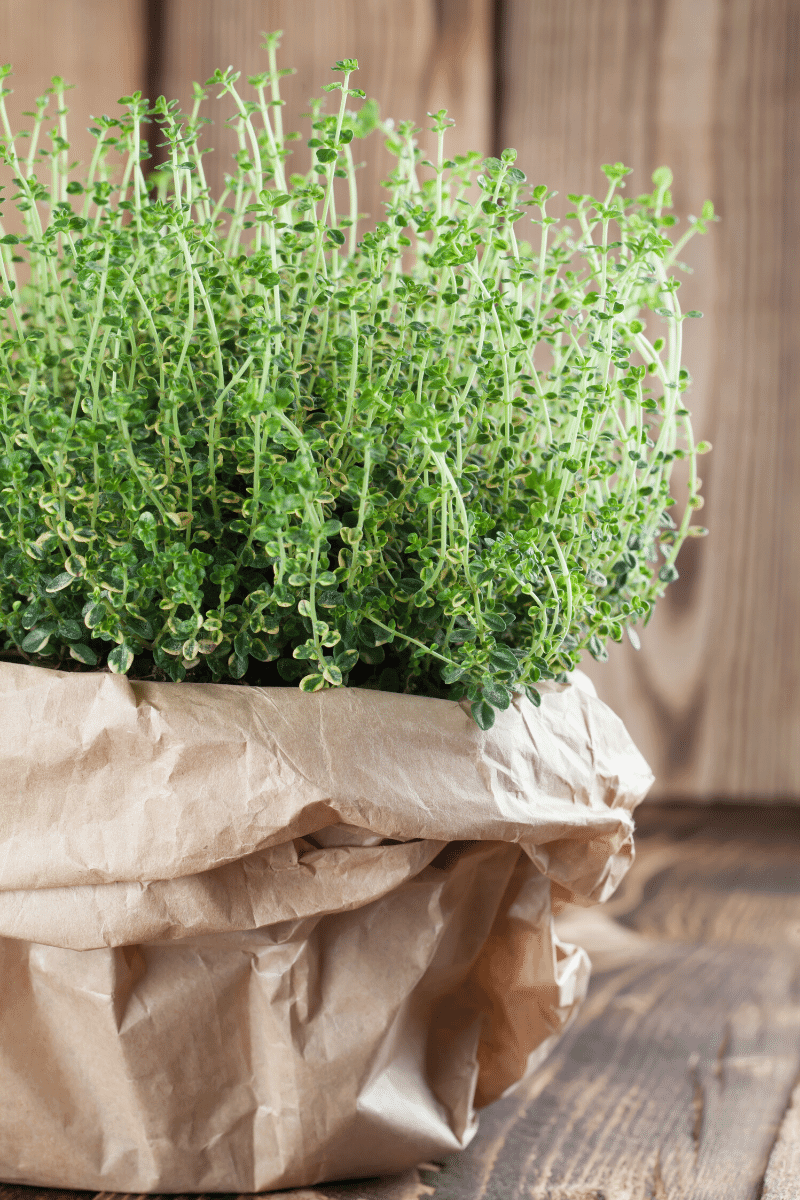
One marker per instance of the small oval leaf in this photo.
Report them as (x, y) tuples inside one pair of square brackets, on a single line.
[(496, 695), (120, 660), (59, 582), (94, 615), (36, 641), (312, 683), (346, 660), (483, 714), (237, 665), (83, 654)]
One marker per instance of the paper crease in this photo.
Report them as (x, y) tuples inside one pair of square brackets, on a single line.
[(255, 939)]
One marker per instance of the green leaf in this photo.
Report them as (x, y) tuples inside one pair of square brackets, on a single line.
[(495, 694), (83, 653), (35, 641), (533, 695), (597, 648), (329, 599), (260, 651), (367, 118), (120, 660), (483, 714), (70, 631), (142, 629), (173, 646), (94, 615), (59, 582), (332, 673), (312, 683), (346, 660), (241, 643), (237, 665), (503, 658), (31, 615)]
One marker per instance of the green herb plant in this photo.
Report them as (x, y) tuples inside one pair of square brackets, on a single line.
[(243, 440)]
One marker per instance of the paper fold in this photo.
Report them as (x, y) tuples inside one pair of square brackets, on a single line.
[(255, 938)]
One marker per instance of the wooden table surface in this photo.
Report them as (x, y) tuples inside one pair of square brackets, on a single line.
[(680, 1079)]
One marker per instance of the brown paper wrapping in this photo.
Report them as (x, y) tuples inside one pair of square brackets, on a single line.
[(254, 939)]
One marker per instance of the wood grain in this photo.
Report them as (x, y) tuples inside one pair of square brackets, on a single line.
[(706, 86), (664, 1083), (413, 58), (96, 46), (783, 1169), (676, 1079)]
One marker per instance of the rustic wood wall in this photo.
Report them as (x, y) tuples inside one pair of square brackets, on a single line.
[(709, 87), (414, 58), (100, 48)]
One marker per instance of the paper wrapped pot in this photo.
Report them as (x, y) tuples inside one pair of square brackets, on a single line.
[(253, 939)]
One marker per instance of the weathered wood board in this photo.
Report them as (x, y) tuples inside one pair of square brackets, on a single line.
[(98, 48), (782, 1180), (414, 58), (707, 87), (676, 1080)]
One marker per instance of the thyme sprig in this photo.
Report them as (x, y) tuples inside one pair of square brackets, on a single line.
[(247, 437)]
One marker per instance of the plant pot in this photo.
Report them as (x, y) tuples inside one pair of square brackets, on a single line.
[(254, 938)]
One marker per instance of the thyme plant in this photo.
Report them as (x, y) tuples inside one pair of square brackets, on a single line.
[(246, 438)]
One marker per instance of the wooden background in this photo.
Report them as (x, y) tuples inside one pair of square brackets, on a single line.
[(709, 87)]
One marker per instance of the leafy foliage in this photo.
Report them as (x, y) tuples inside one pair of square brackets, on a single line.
[(239, 442)]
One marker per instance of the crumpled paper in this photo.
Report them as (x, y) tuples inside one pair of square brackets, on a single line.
[(252, 938)]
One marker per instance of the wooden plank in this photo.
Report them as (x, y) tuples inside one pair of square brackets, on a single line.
[(98, 47), (706, 86), (413, 58), (782, 1179), (676, 1077), (666, 1085)]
